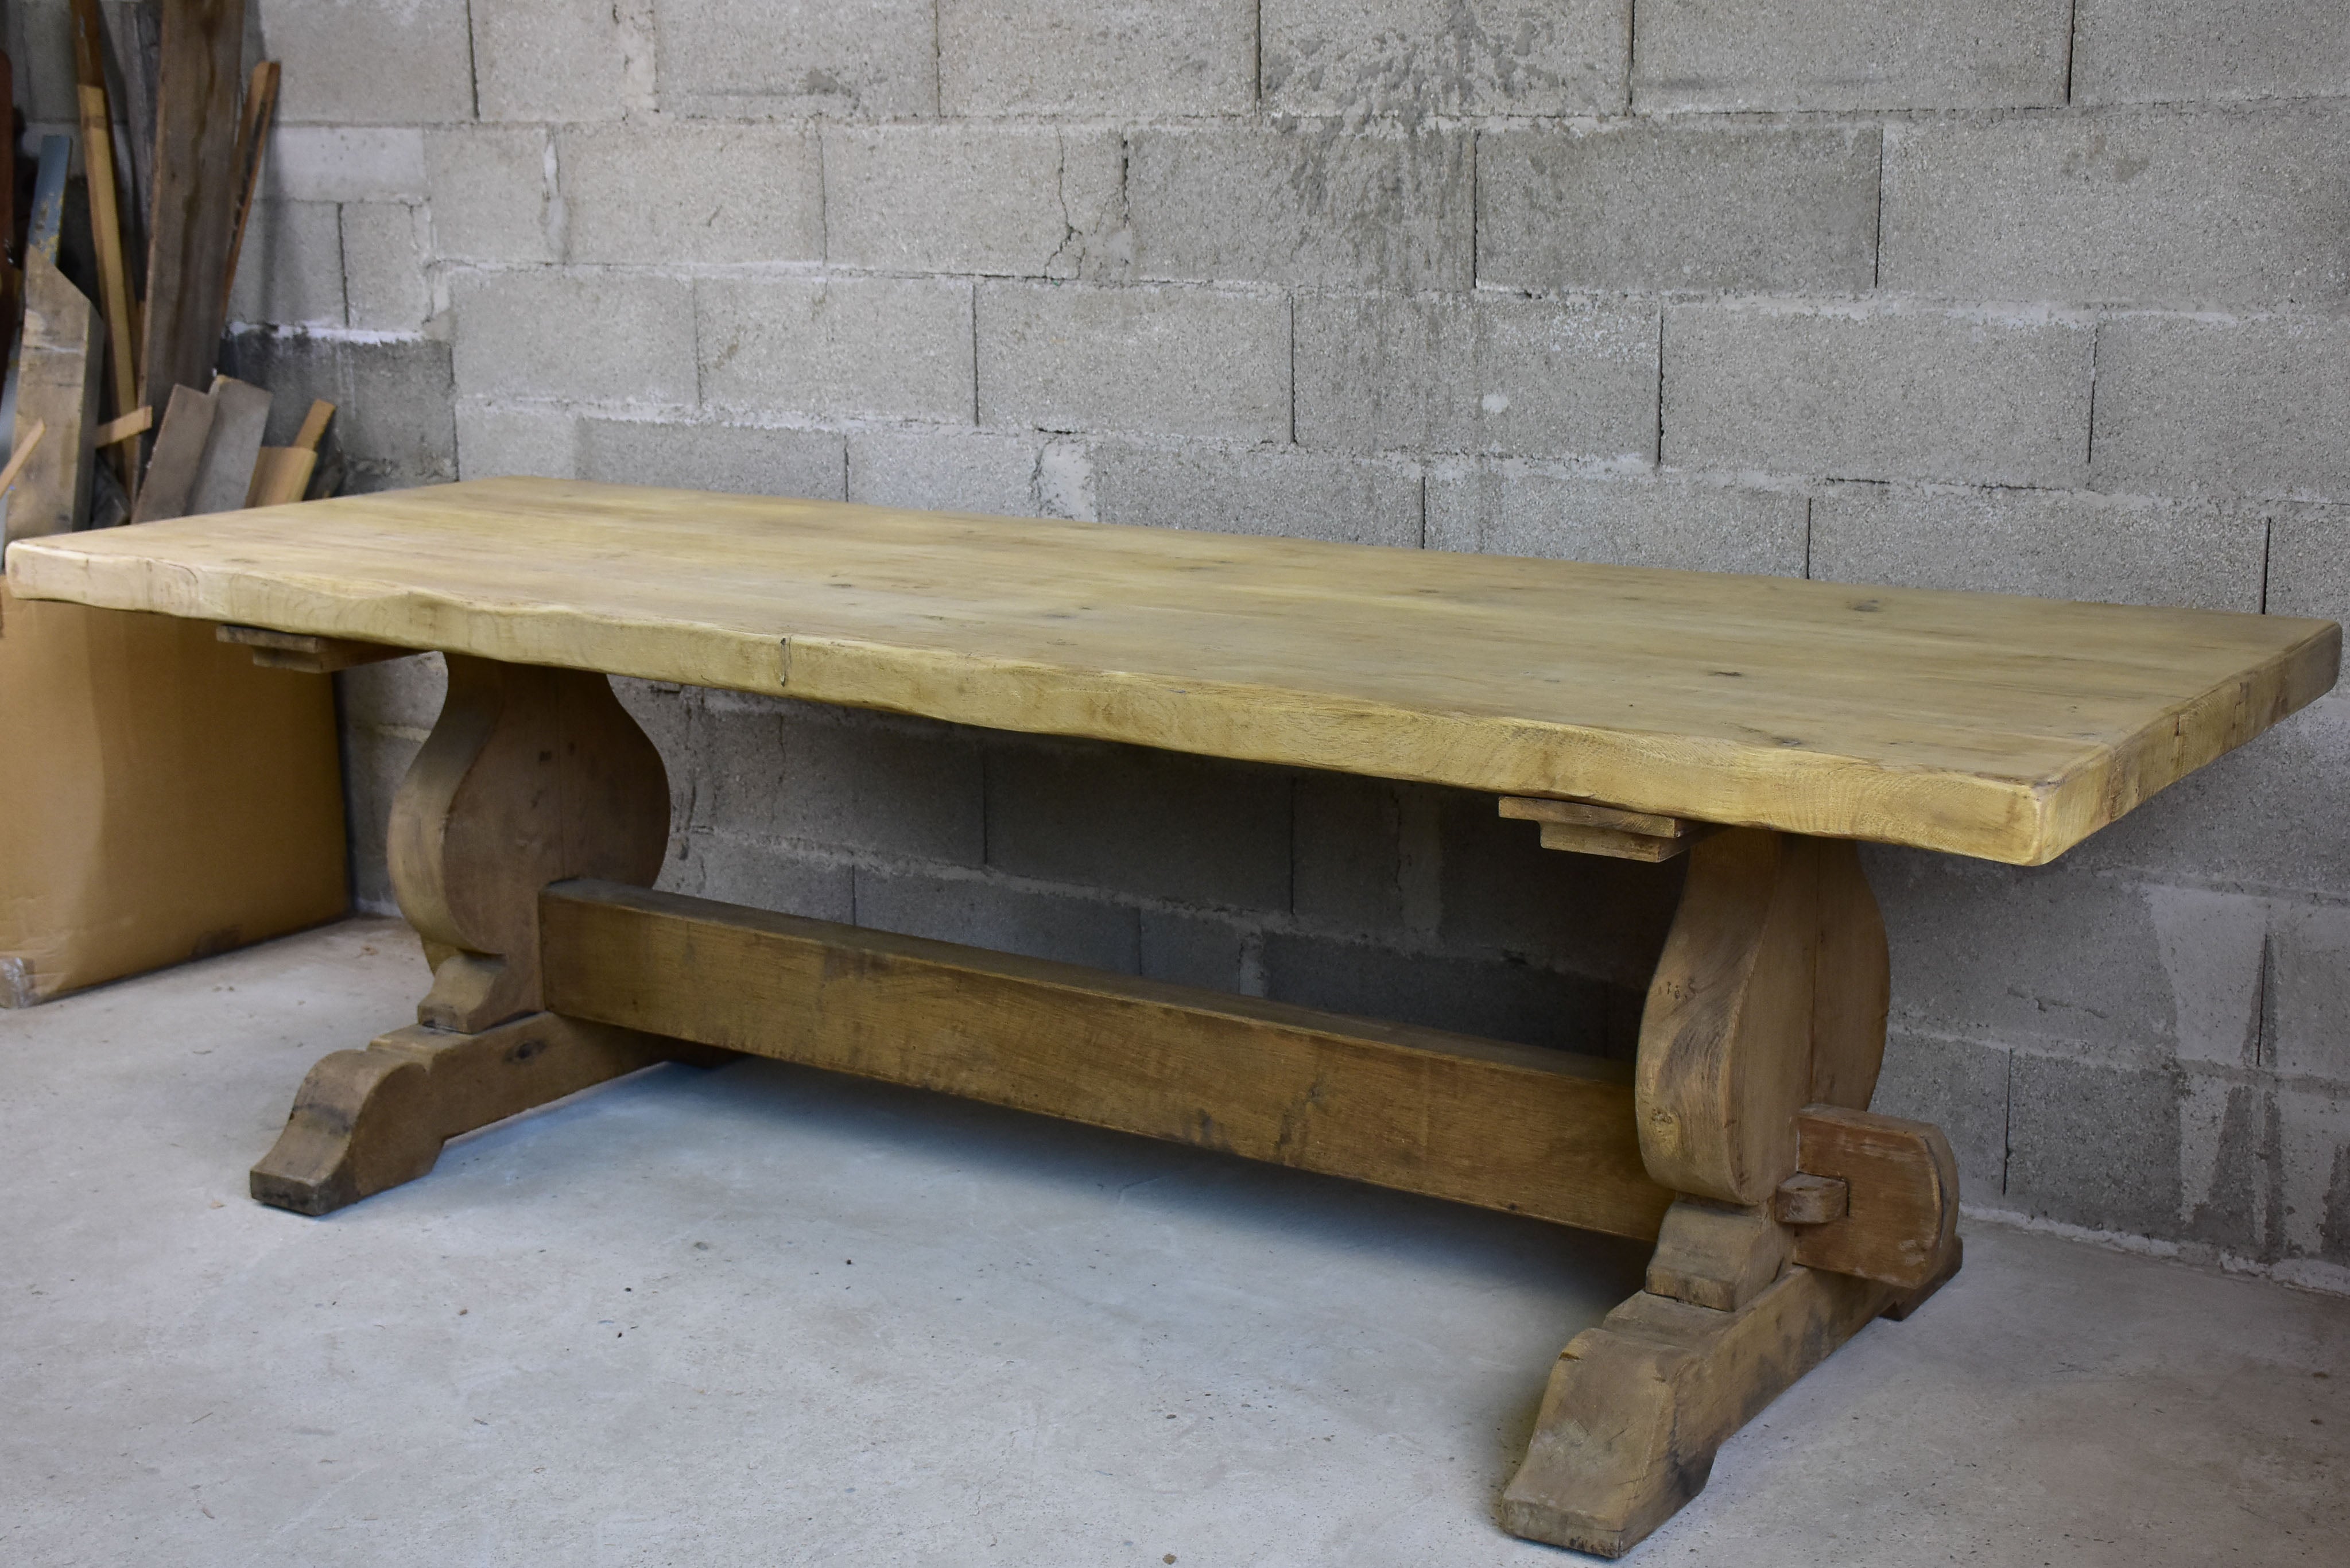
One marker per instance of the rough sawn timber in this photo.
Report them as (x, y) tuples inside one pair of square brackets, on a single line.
[(1532, 1131), (1980, 724)]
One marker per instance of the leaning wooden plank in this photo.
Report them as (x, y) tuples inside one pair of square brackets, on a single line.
[(179, 455), (283, 474), (1530, 1131), (232, 447), (28, 442), (135, 27), (1981, 724), (59, 371), (251, 138), (195, 192), (106, 224), (10, 276), (138, 421)]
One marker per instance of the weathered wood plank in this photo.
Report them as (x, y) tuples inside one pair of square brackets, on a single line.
[(178, 456), (232, 446), (195, 201), (1534, 1132), (1982, 725)]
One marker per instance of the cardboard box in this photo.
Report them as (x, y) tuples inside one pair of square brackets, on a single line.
[(161, 798)]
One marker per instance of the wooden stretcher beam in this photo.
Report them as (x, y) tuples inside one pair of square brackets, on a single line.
[(1535, 1132)]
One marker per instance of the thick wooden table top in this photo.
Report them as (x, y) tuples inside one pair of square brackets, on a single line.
[(1984, 724)]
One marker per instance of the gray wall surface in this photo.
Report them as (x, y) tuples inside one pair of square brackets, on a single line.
[(2027, 295)]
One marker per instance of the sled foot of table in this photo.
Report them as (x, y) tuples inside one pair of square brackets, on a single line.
[(368, 1120), (1636, 1407)]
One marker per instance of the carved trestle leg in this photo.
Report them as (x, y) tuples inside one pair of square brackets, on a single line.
[(1801, 1217), (531, 775)]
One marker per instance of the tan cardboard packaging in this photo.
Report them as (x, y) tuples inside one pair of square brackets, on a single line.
[(161, 798)]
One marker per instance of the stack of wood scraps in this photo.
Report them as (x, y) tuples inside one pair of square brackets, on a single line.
[(114, 406)]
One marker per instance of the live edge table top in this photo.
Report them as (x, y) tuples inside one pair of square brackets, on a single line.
[(1983, 725)]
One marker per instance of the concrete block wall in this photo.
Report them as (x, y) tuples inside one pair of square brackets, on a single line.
[(2032, 295)]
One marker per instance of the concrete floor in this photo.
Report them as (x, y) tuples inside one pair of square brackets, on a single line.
[(764, 1315)]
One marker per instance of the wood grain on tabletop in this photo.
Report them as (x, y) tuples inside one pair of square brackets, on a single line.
[(1991, 725)]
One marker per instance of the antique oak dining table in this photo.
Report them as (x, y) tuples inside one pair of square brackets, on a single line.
[(1755, 729)]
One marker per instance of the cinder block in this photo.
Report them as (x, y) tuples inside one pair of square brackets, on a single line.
[(374, 762), (1849, 54), (2228, 1159), (553, 59), (1193, 949), (1347, 852), (2094, 1145), (1502, 893), (1508, 508), (692, 194), (387, 709), (1964, 398), (592, 336), (1479, 373), (739, 458), (2173, 51), (761, 876), (290, 271), (383, 265), (670, 714), (2267, 815), (772, 771), (1959, 1086), (1129, 819), (1013, 201), (1306, 202), (1132, 58), (401, 695), (962, 471), (1489, 997), (1069, 927), (1164, 361), (493, 440), (370, 62), (2309, 561), (2309, 991), (2051, 959), (2316, 1150), (393, 401), (1412, 58), (888, 348), (1303, 496), (345, 164), (864, 59), (2145, 206), (2256, 407), (492, 193), (1650, 206), (2214, 951), (2064, 545)]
